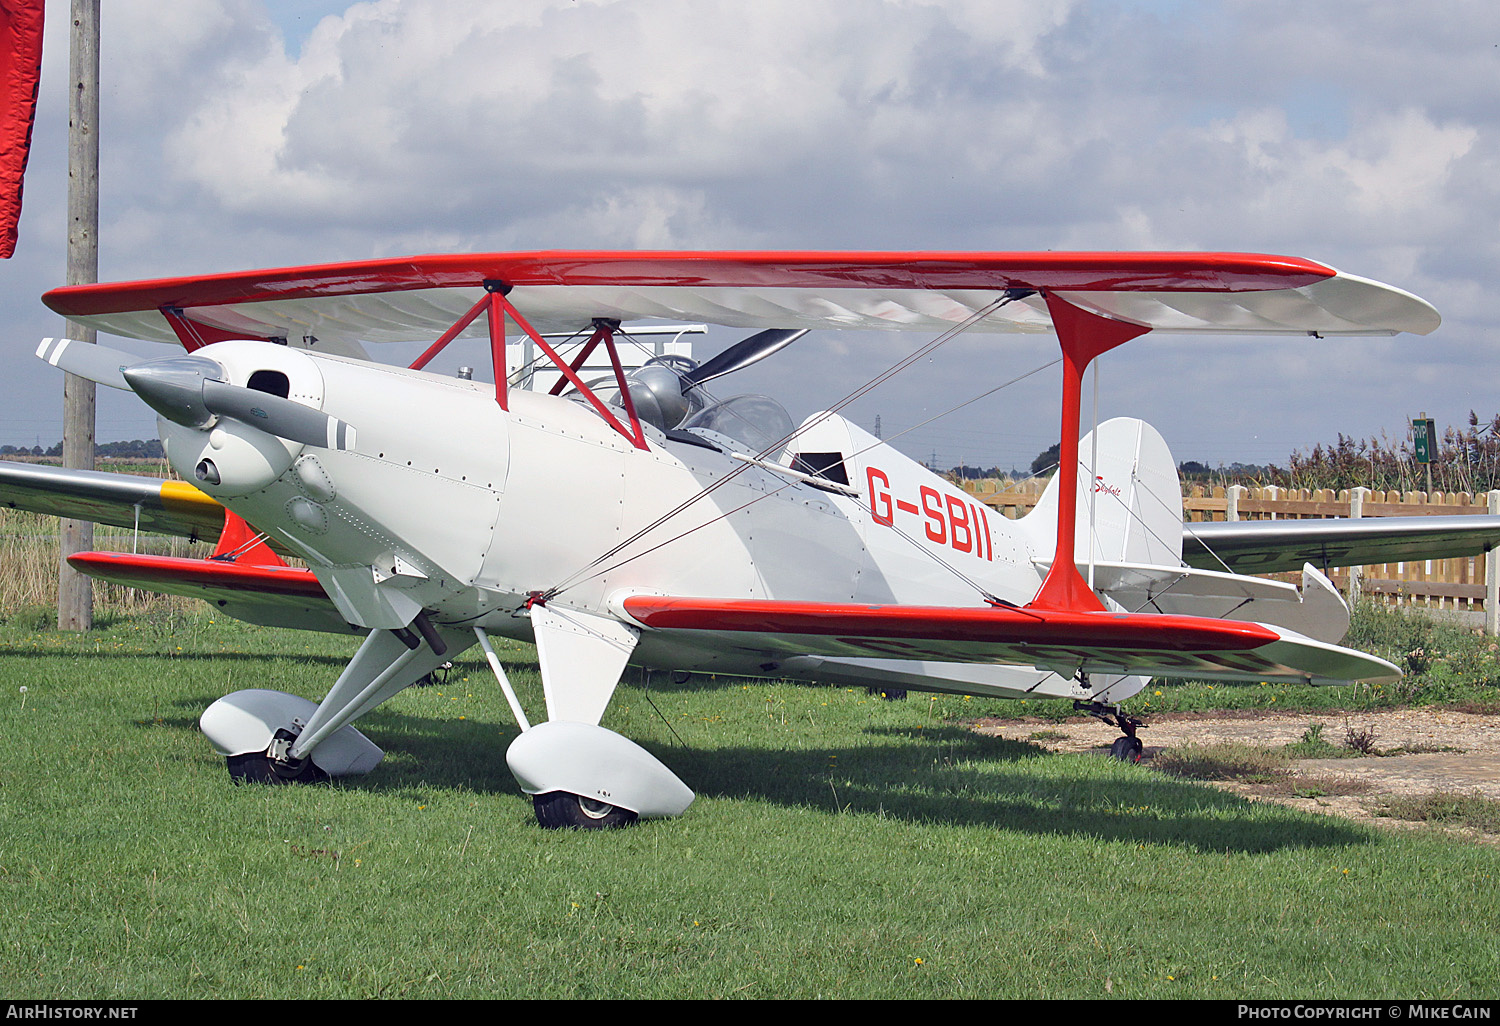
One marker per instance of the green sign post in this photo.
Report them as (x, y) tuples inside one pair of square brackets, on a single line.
[(1423, 437), (1424, 441)]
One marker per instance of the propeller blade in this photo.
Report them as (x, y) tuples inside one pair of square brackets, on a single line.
[(742, 354), (97, 363), (186, 390), (275, 415)]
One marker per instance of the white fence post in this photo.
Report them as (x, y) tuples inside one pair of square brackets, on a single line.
[(1232, 496), (1492, 579), (1356, 510)]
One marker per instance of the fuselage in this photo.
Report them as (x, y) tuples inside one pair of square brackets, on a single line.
[(445, 502)]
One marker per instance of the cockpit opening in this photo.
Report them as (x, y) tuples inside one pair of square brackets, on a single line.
[(272, 382)]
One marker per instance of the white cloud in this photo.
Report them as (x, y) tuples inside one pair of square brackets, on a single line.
[(1362, 136)]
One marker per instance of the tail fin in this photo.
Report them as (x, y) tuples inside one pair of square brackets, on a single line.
[(1132, 499)]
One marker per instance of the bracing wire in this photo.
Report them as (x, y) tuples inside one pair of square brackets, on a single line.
[(854, 455), (583, 573)]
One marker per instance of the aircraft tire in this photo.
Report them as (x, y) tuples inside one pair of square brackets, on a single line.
[(1126, 749), (560, 810), (256, 768)]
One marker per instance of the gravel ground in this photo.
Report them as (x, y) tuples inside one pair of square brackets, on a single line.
[(1430, 750)]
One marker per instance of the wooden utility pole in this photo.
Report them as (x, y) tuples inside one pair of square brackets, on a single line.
[(75, 592)]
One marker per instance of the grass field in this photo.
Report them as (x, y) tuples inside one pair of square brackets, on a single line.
[(841, 846)]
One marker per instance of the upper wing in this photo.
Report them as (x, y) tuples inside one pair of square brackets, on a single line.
[(1267, 546), (121, 500), (1064, 642), (416, 298)]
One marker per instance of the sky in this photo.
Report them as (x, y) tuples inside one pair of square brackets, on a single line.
[(242, 133)]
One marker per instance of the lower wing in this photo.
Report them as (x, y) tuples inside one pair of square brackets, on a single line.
[(1064, 642), (272, 596)]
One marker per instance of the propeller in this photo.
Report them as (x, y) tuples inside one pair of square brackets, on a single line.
[(742, 354), (664, 391), (191, 391)]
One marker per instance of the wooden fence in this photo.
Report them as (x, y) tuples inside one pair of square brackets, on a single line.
[(1453, 586)]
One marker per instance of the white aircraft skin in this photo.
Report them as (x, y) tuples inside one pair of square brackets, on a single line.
[(478, 508)]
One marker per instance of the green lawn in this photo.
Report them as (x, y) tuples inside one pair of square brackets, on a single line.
[(841, 846)]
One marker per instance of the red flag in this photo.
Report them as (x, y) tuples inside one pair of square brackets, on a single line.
[(20, 75)]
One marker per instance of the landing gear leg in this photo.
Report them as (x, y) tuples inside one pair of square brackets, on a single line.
[(578, 773), (1127, 748)]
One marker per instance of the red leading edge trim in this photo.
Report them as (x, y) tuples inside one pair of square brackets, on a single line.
[(930, 623), (145, 570), (1089, 271)]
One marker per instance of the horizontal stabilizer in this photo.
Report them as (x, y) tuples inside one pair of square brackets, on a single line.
[(1316, 610)]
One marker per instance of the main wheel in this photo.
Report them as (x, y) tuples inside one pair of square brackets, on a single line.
[(258, 768), (1127, 749), (557, 810)]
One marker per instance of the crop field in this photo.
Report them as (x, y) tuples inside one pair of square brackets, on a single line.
[(841, 846)]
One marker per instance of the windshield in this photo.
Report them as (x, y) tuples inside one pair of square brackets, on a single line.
[(755, 421)]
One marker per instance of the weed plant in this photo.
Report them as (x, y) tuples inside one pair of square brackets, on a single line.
[(1445, 807)]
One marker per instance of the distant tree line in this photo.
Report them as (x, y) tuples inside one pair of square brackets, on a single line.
[(134, 449)]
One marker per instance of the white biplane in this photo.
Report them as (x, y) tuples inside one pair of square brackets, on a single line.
[(639, 521)]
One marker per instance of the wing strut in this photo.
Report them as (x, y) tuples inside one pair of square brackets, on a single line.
[(1082, 336), (497, 307), (195, 335)]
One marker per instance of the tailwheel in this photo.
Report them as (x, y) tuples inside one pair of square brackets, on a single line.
[(557, 810), (1127, 748), (272, 767)]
